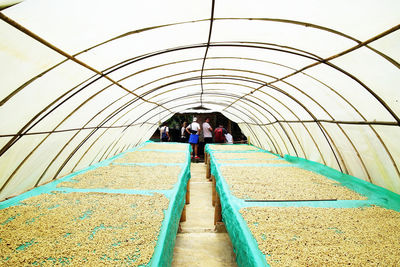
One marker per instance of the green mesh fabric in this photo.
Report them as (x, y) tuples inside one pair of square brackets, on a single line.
[(245, 245), (164, 248)]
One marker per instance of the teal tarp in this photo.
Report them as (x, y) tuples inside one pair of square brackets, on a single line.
[(163, 251), (244, 244)]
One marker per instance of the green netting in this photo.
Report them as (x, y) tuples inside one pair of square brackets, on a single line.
[(163, 251), (245, 245), (162, 150), (208, 149), (148, 164), (258, 164), (376, 195), (165, 246), (238, 160)]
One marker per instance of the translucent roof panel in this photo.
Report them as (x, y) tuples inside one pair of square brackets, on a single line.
[(384, 45), (369, 13), (85, 80), (24, 55), (106, 20), (146, 43), (373, 71), (267, 53), (293, 38), (253, 66), (345, 88)]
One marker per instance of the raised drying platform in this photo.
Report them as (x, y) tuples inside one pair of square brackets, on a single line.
[(252, 220), (118, 223)]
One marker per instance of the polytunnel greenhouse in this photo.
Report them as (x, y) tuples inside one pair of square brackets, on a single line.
[(111, 115)]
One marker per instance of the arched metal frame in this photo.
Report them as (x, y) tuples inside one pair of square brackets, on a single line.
[(314, 101), (325, 61), (262, 107), (317, 103), (28, 126)]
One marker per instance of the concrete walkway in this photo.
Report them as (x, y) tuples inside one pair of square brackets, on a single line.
[(198, 244)]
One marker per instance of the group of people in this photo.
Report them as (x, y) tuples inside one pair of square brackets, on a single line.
[(194, 130), (191, 133)]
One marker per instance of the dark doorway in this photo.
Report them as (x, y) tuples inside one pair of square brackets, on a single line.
[(176, 121)]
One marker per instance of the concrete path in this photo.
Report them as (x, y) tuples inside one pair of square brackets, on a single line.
[(198, 244)]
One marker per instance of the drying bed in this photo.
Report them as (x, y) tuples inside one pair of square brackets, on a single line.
[(303, 236), (283, 183), (254, 161), (164, 146), (250, 222), (245, 156), (154, 177), (145, 156), (81, 228), (232, 147), (115, 223), (249, 158)]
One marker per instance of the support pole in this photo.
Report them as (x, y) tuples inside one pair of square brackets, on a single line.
[(188, 192), (217, 211), (214, 191), (183, 215)]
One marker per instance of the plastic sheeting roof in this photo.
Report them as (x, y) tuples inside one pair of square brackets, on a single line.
[(84, 80)]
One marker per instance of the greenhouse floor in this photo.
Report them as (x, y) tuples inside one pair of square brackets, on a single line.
[(198, 244)]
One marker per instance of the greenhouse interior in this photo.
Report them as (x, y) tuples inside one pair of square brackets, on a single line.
[(199, 133)]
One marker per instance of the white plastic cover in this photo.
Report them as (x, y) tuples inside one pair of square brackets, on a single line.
[(84, 80)]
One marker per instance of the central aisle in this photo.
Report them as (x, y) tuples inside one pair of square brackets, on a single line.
[(198, 244)]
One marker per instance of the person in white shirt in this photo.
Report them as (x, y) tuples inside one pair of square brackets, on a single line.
[(229, 138), (184, 134), (207, 131), (164, 133), (194, 130)]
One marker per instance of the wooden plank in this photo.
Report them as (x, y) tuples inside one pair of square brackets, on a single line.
[(188, 192), (183, 215), (214, 191), (217, 211), (208, 174)]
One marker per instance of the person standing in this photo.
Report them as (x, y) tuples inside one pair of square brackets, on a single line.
[(207, 131), (194, 130), (184, 134), (219, 134), (164, 133), (228, 138)]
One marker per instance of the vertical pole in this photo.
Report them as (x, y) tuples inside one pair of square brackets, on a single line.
[(208, 172), (183, 215), (214, 191), (217, 211), (188, 193)]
